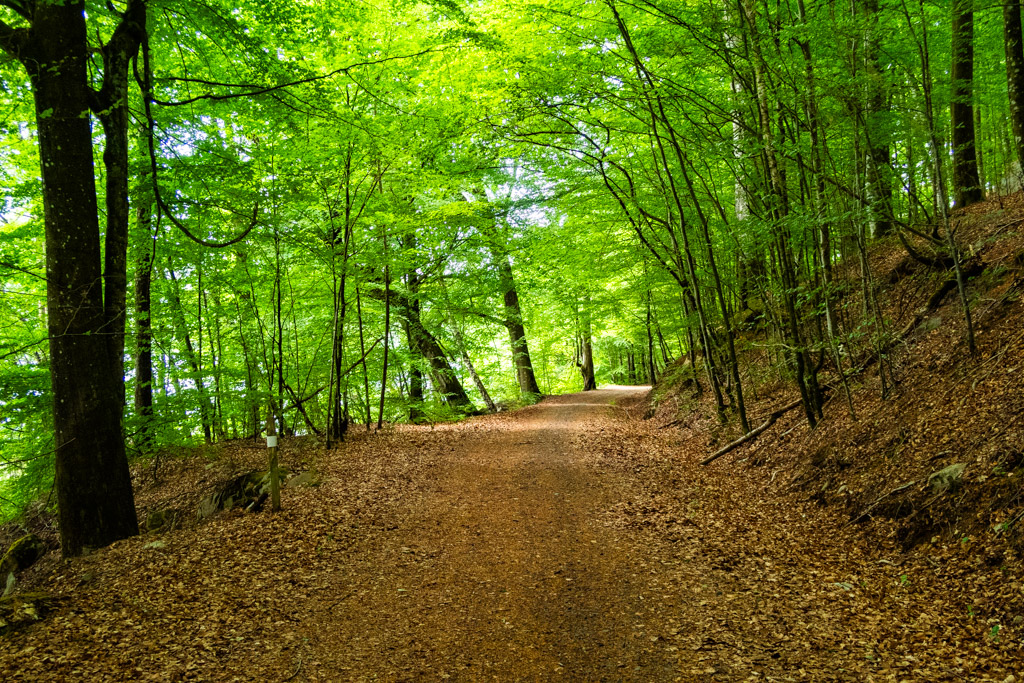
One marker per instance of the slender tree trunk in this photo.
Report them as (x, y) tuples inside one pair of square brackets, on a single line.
[(658, 120), (387, 336), (191, 357), (940, 183), (648, 324), (525, 375), (143, 315), (252, 404), (411, 319), (484, 394), (966, 181), (879, 167), (272, 456), (587, 360), (216, 361), (339, 418), (779, 210), (362, 350), (517, 336)]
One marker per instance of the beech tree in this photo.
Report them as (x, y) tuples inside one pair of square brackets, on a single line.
[(94, 492)]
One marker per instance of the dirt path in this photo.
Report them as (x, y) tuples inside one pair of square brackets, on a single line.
[(566, 541), (504, 566)]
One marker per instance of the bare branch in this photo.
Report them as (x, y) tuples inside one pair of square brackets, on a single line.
[(11, 266), (256, 89)]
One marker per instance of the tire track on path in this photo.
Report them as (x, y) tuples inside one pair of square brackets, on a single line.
[(501, 568)]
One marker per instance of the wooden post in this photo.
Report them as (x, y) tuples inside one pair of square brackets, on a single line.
[(275, 478)]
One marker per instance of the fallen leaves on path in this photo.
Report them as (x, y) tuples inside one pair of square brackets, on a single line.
[(566, 540)]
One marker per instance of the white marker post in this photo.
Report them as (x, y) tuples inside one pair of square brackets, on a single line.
[(275, 477)]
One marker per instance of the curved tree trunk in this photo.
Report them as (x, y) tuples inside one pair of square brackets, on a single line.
[(445, 381), (517, 333)]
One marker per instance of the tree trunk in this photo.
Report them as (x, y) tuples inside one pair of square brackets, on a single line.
[(966, 182), (144, 324), (484, 394), (879, 168), (411, 313), (652, 368), (111, 107), (1014, 42), (362, 350), (191, 357), (445, 381), (251, 402), (587, 360), (92, 482), (387, 335), (780, 239), (517, 333), (525, 375)]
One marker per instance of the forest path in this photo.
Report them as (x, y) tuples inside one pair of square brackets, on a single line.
[(570, 540), (503, 566)]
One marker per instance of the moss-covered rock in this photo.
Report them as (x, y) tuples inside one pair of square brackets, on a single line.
[(304, 479), (22, 554), (947, 479), (161, 520), (248, 491)]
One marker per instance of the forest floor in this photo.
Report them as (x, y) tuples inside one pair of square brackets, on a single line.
[(570, 540)]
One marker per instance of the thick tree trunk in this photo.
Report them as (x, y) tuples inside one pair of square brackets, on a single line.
[(93, 485), (966, 181), (1014, 42)]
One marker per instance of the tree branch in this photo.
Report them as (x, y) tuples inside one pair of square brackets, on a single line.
[(13, 41), (257, 89), (753, 433), (21, 8), (11, 266)]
